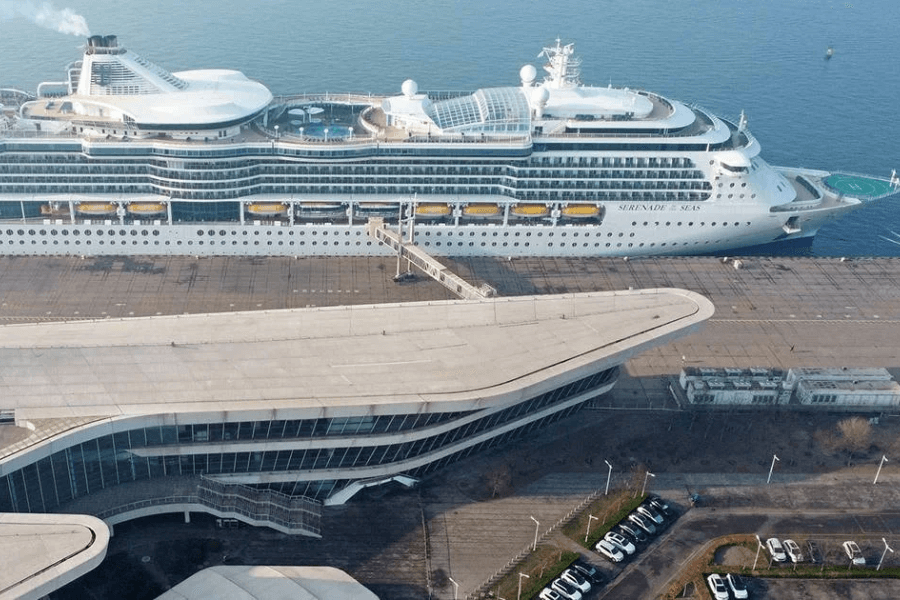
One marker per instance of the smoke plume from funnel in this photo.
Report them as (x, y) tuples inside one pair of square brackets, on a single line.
[(46, 15)]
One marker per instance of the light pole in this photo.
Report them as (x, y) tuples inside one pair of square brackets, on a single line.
[(276, 132), (536, 525), (588, 532), (759, 546), (455, 588), (886, 548), (608, 477), (881, 464), (521, 575), (774, 458), (646, 476)]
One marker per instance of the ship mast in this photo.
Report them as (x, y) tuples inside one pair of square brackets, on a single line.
[(563, 67)]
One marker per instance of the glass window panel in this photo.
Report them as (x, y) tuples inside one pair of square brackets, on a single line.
[(61, 476), (154, 436), (108, 460), (169, 434)]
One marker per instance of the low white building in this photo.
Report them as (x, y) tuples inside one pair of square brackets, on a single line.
[(855, 393)]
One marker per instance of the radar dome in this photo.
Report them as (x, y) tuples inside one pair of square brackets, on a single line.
[(410, 88), (540, 96), (528, 74)]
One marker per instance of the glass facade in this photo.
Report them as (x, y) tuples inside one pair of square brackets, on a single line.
[(127, 456)]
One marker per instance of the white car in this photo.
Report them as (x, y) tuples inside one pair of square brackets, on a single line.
[(854, 553), (643, 522), (550, 594), (793, 551), (609, 551), (738, 586), (648, 512), (620, 541), (717, 586), (776, 550), (575, 578), (566, 590)]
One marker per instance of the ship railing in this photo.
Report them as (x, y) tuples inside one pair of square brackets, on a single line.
[(359, 97)]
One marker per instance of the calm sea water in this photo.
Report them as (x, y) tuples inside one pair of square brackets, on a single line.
[(765, 57)]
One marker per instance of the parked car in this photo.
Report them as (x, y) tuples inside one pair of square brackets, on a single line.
[(609, 551), (717, 586), (550, 594), (854, 553), (566, 590), (660, 505), (620, 541), (631, 530), (572, 576), (590, 572), (776, 549), (647, 511), (643, 522), (793, 551), (738, 586)]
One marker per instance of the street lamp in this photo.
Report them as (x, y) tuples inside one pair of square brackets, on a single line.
[(608, 477), (886, 548), (276, 132), (881, 464), (588, 532), (455, 588), (774, 458), (521, 575), (759, 546), (536, 525), (646, 476)]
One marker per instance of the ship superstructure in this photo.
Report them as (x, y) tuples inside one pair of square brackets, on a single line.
[(124, 157)]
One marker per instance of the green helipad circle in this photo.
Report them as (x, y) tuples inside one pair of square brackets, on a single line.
[(856, 185)]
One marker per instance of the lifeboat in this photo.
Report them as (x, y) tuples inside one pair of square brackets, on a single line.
[(267, 209), (320, 210), (95, 208), (432, 211), (377, 209), (481, 210), (529, 211), (147, 208), (580, 211)]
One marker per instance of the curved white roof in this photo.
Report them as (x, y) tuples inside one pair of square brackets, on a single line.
[(118, 85), (252, 583)]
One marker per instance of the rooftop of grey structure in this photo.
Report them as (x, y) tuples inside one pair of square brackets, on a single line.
[(42, 552), (264, 364), (263, 582)]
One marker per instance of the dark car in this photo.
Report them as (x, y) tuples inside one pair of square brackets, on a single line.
[(634, 532), (590, 572), (660, 505)]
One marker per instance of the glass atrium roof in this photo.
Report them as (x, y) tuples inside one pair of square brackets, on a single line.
[(491, 109)]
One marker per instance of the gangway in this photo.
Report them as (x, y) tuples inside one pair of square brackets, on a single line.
[(376, 229)]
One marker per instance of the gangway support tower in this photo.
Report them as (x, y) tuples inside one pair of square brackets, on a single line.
[(376, 228)]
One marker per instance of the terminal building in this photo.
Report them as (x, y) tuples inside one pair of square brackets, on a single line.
[(296, 408)]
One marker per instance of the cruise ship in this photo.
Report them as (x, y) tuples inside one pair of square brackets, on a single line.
[(123, 157)]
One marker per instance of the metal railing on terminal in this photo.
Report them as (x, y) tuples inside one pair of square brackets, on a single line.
[(289, 514)]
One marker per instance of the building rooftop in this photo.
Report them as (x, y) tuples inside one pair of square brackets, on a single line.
[(43, 552), (386, 357), (269, 583)]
